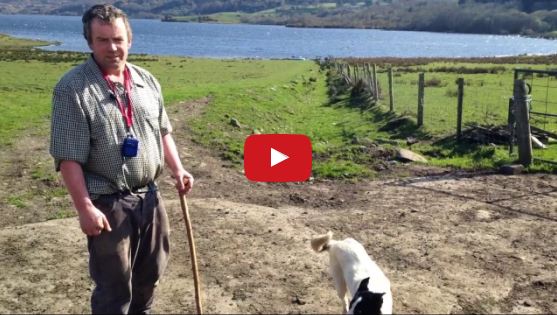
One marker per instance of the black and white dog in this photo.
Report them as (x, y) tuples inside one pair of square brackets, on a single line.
[(354, 272)]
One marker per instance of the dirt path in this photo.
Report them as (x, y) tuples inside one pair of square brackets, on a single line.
[(450, 243)]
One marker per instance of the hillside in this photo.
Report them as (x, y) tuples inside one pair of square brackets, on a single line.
[(532, 17)]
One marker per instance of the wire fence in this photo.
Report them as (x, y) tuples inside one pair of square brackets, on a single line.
[(484, 98), (543, 89)]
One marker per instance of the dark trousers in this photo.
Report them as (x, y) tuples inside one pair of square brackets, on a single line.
[(126, 264)]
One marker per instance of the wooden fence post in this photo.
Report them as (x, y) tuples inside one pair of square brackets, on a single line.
[(421, 100), (511, 124), (375, 88), (460, 82), (369, 80), (346, 74), (523, 136), (391, 92)]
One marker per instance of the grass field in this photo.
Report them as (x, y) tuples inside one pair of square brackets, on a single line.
[(273, 96), (487, 89), (8, 42)]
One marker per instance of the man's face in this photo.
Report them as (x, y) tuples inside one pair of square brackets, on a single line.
[(110, 44)]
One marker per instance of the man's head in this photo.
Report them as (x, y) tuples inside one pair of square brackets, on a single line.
[(108, 33)]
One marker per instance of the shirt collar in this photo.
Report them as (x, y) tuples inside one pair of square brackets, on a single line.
[(137, 80)]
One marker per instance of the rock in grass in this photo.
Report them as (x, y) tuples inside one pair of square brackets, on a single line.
[(234, 122), (405, 155)]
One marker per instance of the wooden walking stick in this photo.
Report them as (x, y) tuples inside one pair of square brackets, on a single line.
[(189, 232)]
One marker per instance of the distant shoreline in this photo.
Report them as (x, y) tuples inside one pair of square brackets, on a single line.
[(236, 41), (8, 41), (208, 20), (529, 59)]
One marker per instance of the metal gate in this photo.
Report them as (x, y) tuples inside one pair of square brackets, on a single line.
[(542, 109)]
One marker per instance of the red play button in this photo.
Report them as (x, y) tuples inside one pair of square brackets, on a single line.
[(277, 158)]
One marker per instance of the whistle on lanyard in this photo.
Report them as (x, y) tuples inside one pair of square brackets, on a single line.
[(130, 146)]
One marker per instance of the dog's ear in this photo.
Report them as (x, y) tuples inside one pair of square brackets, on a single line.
[(363, 285)]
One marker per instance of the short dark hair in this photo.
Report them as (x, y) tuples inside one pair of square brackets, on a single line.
[(106, 13)]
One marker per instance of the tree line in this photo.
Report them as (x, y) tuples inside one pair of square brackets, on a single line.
[(478, 17), (526, 17)]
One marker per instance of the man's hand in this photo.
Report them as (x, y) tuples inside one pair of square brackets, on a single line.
[(184, 181), (91, 219), (93, 222)]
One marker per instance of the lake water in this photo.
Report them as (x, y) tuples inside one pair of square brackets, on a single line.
[(263, 41)]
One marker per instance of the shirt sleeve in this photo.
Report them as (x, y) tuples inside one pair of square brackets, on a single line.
[(164, 122), (70, 135), (166, 128)]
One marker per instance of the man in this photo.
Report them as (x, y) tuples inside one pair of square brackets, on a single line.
[(110, 135)]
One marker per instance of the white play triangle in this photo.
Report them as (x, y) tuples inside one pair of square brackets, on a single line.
[(277, 157)]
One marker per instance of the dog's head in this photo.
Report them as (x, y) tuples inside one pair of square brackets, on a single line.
[(365, 301)]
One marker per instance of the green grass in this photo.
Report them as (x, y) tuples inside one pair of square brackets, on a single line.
[(61, 214), (487, 90), (26, 91), (270, 96), (44, 172), (467, 156), (26, 86), (285, 96), (17, 201), (227, 17), (341, 169), (9, 42)]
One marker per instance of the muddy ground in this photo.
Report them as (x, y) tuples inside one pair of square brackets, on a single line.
[(450, 242)]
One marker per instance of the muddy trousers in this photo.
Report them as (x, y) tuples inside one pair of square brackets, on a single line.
[(126, 264)]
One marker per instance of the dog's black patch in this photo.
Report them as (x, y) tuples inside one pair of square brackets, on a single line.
[(363, 285), (370, 303), (365, 301)]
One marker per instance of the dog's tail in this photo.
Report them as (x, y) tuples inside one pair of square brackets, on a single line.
[(321, 243)]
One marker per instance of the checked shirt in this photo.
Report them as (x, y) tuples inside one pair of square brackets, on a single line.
[(89, 128)]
